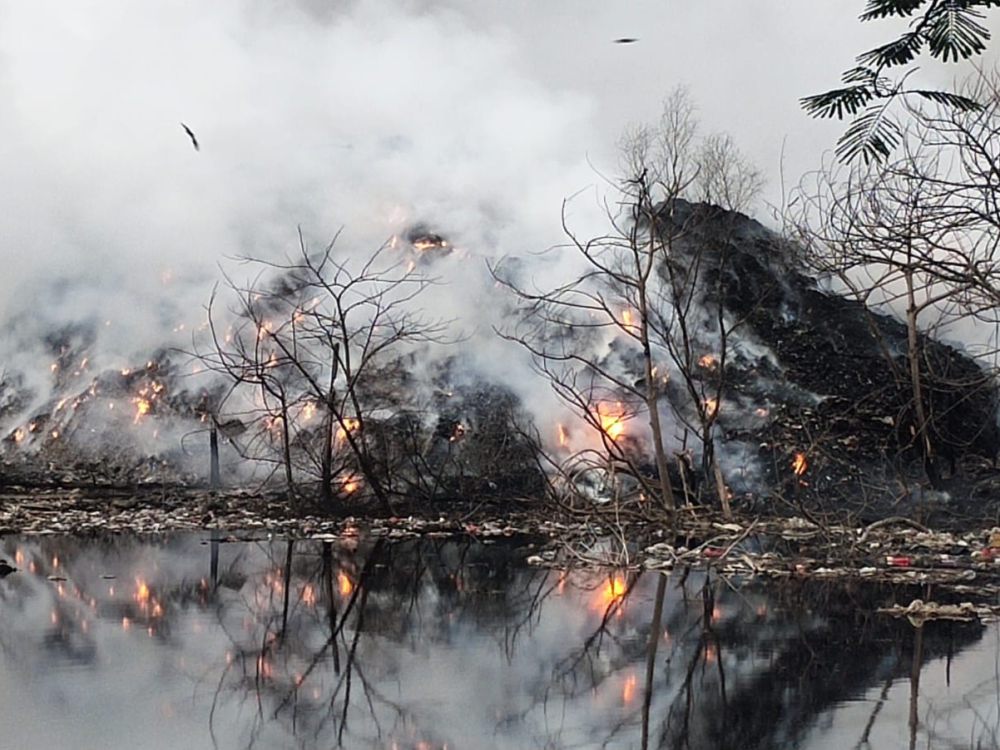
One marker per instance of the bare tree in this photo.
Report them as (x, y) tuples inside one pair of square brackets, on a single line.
[(315, 357), (649, 291), (918, 236)]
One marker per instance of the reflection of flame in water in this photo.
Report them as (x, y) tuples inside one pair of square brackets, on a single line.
[(612, 421), (612, 592), (800, 464), (309, 595), (628, 689), (346, 587)]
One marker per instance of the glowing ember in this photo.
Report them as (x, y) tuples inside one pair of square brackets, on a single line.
[(612, 422), (344, 583), (708, 361), (800, 464)]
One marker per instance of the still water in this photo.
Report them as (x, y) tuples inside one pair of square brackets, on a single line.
[(181, 642)]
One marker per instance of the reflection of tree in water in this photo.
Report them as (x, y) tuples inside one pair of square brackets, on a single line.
[(317, 662), (322, 640)]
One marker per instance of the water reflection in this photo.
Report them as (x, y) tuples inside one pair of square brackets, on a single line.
[(183, 641)]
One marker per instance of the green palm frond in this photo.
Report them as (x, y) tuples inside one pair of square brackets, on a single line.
[(837, 102), (872, 136), (954, 33)]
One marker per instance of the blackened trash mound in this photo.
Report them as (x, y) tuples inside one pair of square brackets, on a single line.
[(830, 379)]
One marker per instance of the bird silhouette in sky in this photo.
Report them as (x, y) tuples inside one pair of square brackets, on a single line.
[(626, 40), (191, 135)]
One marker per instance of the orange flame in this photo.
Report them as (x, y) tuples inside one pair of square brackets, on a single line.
[(612, 592), (612, 422), (800, 464), (711, 407), (141, 591), (708, 361), (350, 425), (344, 583), (628, 689), (563, 436)]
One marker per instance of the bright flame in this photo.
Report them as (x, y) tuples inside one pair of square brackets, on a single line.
[(800, 464), (612, 422), (141, 591), (142, 407), (345, 584), (350, 484)]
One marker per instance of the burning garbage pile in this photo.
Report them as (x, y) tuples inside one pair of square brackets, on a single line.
[(326, 376), (754, 384), (116, 426)]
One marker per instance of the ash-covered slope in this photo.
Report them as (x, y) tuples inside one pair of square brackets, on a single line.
[(833, 382)]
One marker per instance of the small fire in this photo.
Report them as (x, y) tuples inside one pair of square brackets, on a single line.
[(350, 484), (627, 318), (142, 407), (708, 361), (457, 433), (612, 422), (349, 425), (345, 585), (19, 435), (141, 591), (563, 436), (800, 464), (711, 407), (309, 411)]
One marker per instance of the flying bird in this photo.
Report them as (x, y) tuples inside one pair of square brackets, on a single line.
[(191, 135), (626, 40)]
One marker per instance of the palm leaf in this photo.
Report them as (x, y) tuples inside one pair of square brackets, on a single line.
[(948, 99), (898, 52), (837, 102), (872, 136), (954, 32), (885, 8)]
